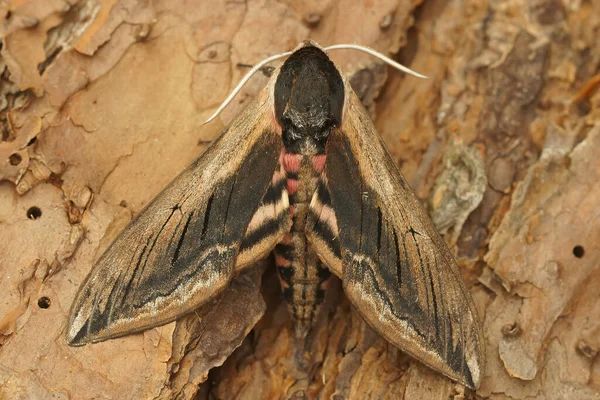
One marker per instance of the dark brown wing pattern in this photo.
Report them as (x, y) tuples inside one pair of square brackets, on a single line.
[(370, 230), (225, 211)]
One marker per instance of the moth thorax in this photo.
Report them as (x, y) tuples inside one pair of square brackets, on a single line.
[(306, 145)]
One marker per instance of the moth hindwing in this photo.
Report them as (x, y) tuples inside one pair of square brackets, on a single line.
[(303, 173)]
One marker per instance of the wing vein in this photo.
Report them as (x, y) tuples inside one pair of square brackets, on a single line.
[(206, 217)]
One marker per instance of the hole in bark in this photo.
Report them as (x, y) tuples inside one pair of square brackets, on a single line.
[(15, 159), (34, 213), (578, 251), (44, 302)]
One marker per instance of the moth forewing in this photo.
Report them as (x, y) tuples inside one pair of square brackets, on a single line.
[(181, 250), (397, 271)]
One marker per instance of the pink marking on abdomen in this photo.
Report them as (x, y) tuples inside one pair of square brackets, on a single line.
[(282, 261), (291, 162), (292, 186), (286, 239), (318, 162)]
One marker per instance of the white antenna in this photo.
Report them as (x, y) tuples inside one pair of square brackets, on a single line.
[(243, 82), (287, 53), (378, 55)]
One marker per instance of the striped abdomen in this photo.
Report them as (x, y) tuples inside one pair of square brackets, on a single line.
[(303, 277)]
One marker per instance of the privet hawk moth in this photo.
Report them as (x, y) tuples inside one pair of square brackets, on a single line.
[(302, 173)]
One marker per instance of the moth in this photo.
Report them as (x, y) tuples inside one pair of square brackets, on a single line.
[(302, 173)]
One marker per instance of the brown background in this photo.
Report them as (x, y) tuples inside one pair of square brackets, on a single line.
[(102, 104)]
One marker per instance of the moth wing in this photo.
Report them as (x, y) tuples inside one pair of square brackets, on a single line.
[(225, 211), (370, 230)]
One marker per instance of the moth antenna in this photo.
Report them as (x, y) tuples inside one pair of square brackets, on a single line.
[(243, 82), (287, 53), (378, 55)]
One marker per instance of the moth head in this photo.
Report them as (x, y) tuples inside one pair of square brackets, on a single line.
[(309, 96)]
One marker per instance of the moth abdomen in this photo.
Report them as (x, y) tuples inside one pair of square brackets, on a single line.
[(302, 275)]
